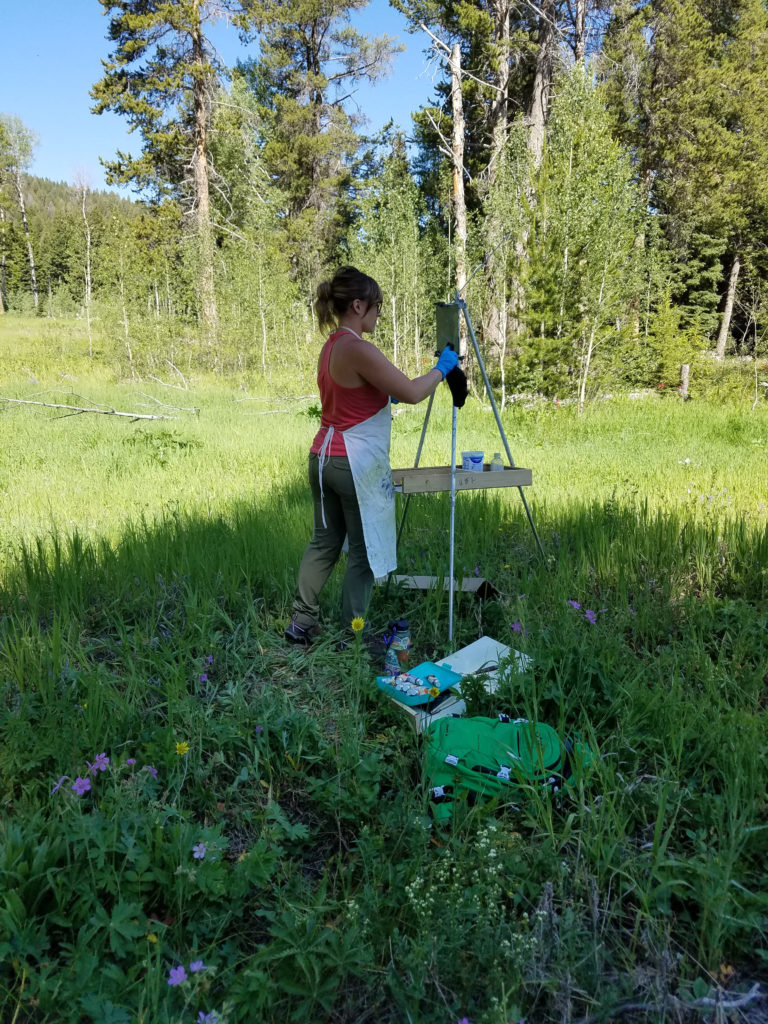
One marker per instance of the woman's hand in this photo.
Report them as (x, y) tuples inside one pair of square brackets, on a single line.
[(448, 359)]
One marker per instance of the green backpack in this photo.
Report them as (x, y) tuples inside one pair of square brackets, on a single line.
[(475, 758)]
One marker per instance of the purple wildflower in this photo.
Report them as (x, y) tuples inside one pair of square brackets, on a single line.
[(57, 787), (574, 604), (207, 1018), (521, 597), (199, 851), (632, 610), (81, 786), (204, 677), (152, 771), (177, 975), (464, 1020), (131, 760), (100, 762), (517, 627), (197, 965), (209, 660), (258, 730), (477, 570), (590, 616)]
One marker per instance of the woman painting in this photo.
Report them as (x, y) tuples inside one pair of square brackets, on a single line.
[(349, 471)]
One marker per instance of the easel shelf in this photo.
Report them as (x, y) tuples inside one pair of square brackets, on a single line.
[(431, 479)]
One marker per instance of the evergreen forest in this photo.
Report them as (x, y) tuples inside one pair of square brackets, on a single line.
[(588, 175)]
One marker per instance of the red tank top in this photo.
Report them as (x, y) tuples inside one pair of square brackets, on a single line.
[(342, 407)]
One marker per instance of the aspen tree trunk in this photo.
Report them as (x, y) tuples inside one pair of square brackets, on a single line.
[(457, 149), (416, 334), (591, 342), (23, 209), (263, 318), (459, 201), (87, 270), (126, 331), (542, 83), (566, 247), (495, 270), (3, 296), (168, 299), (202, 184), (579, 33), (730, 298), (395, 330), (536, 120)]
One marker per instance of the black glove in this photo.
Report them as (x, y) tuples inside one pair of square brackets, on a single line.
[(456, 380)]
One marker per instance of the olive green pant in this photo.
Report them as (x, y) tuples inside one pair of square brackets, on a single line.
[(342, 519)]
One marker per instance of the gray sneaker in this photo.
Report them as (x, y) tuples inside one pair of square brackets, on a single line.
[(296, 634)]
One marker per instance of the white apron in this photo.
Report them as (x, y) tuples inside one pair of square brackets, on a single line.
[(367, 445)]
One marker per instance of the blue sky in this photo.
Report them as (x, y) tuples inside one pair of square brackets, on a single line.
[(50, 53)]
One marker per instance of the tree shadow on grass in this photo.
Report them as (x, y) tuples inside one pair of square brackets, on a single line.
[(188, 574), (115, 641)]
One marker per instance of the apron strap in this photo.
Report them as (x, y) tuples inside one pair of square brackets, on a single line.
[(322, 458)]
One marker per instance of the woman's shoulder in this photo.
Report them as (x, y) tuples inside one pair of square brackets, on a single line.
[(353, 346), (349, 340)]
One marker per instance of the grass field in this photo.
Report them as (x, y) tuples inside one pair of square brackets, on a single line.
[(255, 814)]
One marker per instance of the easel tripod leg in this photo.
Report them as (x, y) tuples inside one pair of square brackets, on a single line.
[(463, 306), (453, 525)]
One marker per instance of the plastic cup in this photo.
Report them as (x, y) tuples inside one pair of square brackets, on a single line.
[(472, 461)]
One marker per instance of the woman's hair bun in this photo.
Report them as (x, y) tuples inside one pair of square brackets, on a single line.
[(333, 298)]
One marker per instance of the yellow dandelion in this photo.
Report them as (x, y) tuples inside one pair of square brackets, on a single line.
[(151, 937), (182, 748), (357, 624), (434, 691)]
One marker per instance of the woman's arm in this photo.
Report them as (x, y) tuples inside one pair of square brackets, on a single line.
[(375, 369)]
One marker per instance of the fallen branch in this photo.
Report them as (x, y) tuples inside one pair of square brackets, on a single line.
[(285, 401), (164, 405), (269, 412), (672, 1002), (76, 410), (184, 386), (165, 384)]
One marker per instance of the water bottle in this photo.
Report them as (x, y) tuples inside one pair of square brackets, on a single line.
[(398, 647), (496, 463), (391, 664)]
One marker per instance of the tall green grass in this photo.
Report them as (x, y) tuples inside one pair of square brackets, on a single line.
[(147, 574)]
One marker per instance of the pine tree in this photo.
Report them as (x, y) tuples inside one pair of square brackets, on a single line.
[(583, 279), (256, 294), (386, 240), (687, 86), (310, 60), (162, 76), (508, 56)]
